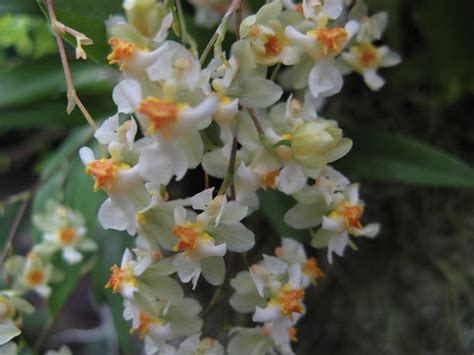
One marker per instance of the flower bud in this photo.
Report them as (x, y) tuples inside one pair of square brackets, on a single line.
[(144, 15), (318, 143)]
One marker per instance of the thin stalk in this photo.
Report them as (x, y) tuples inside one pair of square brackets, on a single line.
[(229, 178), (73, 98), (220, 31), (14, 229)]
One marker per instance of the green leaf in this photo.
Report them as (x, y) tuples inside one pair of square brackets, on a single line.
[(67, 150), (61, 291), (88, 17), (111, 246), (79, 194), (18, 6), (383, 156), (42, 79), (273, 206)]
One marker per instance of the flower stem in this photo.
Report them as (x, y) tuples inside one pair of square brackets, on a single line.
[(72, 97), (235, 6), (229, 178)]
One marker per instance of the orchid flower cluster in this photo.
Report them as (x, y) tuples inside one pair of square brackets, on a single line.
[(262, 97), (63, 235)]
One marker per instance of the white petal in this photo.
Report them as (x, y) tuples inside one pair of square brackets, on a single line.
[(163, 31), (112, 217), (127, 95), (325, 80), (156, 165), (337, 244), (87, 155), (179, 215), (71, 255), (333, 224), (107, 131), (188, 119), (202, 199), (373, 80), (369, 231), (268, 314), (291, 178)]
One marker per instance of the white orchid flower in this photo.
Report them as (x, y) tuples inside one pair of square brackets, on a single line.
[(342, 221), (283, 307), (323, 44), (173, 125), (292, 252), (124, 186), (366, 59), (37, 275)]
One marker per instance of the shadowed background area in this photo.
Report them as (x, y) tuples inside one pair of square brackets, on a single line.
[(409, 291)]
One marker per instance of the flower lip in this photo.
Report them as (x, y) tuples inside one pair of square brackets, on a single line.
[(161, 113), (289, 299), (120, 276), (330, 38), (272, 45), (121, 52), (67, 236), (105, 173)]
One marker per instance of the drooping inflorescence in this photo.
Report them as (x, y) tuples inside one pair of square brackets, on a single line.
[(262, 96)]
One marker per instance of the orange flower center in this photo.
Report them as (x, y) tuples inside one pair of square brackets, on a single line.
[(161, 113), (104, 171), (368, 57), (188, 236), (299, 8), (289, 300), (35, 277), (311, 268), (292, 333), (121, 52), (144, 325), (330, 38), (118, 276), (272, 45), (268, 180), (352, 215), (67, 236)]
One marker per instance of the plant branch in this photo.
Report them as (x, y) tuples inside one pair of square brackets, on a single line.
[(184, 34), (221, 29), (229, 178), (72, 97), (254, 117), (14, 229)]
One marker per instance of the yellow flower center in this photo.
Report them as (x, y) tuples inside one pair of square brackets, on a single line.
[(311, 268), (268, 180), (105, 172), (188, 235), (144, 325), (118, 276), (330, 38), (162, 113), (121, 52), (67, 236)]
